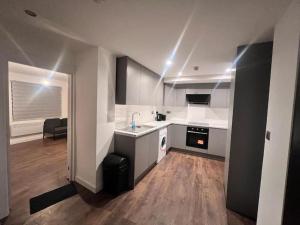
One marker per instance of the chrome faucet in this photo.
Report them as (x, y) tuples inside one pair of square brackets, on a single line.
[(133, 125)]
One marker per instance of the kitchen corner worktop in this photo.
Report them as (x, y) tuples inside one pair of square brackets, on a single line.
[(156, 125)]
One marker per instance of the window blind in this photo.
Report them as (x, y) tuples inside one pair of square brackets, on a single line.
[(35, 101)]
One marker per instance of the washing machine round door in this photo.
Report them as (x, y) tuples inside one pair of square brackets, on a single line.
[(163, 142)]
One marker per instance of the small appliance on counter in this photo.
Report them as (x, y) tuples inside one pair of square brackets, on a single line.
[(160, 117)]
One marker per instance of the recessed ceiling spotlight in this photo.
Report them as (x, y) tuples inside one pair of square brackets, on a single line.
[(30, 13), (180, 73), (196, 68), (169, 62)]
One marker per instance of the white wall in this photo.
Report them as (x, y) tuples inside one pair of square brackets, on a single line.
[(192, 113), (280, 115), (95, 114), (197, 112), (86, 117), (105, 109), (123, 114), (4, 203)]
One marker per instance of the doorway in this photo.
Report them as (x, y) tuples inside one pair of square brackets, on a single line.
[(40, 121)]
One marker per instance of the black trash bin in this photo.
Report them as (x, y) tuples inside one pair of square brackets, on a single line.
[(115, 174)]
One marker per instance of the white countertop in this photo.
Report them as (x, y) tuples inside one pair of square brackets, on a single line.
[(156, 125)]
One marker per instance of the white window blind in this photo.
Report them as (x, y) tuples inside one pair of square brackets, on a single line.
[(35, 101)]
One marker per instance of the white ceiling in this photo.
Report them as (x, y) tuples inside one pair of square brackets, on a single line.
[(206, 32)]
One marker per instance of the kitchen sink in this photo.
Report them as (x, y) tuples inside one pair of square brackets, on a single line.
[(137, 129)]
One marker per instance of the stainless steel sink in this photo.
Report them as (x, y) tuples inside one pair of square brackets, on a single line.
[(137, 129)]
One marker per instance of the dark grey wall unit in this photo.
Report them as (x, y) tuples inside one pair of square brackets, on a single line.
[(121, 80), (291, 215), (136, 84), (248, 127)]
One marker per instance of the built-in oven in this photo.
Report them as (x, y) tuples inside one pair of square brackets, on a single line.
[(197, 137)]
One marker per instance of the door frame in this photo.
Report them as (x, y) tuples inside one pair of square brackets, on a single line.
[(71, 129), (70, 164)]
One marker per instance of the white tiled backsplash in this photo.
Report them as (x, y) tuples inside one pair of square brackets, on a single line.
[(124, 112), (193, 113)]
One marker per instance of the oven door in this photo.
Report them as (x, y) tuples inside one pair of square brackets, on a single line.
[(197, 138)]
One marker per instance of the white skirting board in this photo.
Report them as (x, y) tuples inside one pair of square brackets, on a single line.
[(23, 128), (18, 140), (86, 184)]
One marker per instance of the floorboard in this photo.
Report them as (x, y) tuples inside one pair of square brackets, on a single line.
[(181, 190), (35, 167)]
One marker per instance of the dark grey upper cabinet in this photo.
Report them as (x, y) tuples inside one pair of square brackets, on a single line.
[(137, 85)]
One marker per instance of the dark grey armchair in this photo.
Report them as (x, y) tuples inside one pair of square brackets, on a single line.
[(55, 127)]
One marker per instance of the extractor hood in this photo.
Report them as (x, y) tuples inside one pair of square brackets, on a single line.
[(202, 99)]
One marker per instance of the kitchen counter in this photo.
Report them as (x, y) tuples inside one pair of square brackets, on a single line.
[(156, 125)]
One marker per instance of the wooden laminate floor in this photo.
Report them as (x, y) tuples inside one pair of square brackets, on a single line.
[(35, 168), (182, 189)]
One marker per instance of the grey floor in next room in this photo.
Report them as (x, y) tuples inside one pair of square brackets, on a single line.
[(183, 189)]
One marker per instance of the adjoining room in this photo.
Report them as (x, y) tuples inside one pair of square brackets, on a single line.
[(38, 156)]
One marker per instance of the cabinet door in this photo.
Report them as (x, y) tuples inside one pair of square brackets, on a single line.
[(153, 147), (180, 97), (133, 83), (179, 136), (217, 142), (159, 94), (169, 96), (151, 91), (220, 98), (141, 155), (198, 91), (169, 139), (146, 88)]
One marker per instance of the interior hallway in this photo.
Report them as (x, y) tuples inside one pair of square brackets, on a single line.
[(35, 167)]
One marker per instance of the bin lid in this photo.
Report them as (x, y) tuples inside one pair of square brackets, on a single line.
[(114, 161)]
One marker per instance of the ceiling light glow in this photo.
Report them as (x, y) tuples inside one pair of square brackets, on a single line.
[(46, 82), (228, 70), (169, 62), (180, 73)]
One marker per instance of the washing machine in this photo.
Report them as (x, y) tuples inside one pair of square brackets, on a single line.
[(162, 147)]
